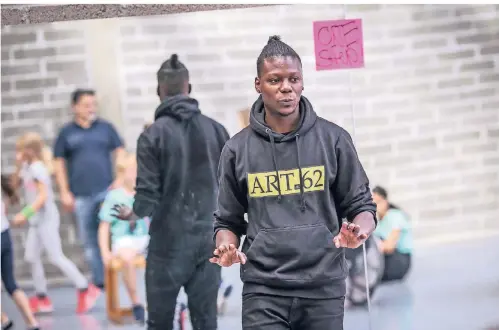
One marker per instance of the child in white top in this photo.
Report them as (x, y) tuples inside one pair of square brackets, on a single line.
[(43, 216)]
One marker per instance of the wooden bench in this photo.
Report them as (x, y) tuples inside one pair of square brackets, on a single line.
[(115, 313)]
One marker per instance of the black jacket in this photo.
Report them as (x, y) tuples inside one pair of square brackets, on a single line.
[(291, 221), (177, 158)]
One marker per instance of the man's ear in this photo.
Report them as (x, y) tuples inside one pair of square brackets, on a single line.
[(190, 89), (257, 85)]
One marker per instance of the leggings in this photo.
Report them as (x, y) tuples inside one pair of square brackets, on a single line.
[(46, 237), (7, 269), (397, 265)]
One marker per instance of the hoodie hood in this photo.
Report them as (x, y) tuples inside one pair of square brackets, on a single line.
[(308, 118), (257, 121), (180, 107)]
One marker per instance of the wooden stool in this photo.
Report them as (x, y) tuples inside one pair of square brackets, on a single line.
[(115, 313)]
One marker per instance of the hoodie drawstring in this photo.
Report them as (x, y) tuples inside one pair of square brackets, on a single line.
[(302, 192), (274, 158), (272, 142)]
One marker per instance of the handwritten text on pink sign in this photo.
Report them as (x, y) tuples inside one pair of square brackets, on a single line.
[(338, 44)]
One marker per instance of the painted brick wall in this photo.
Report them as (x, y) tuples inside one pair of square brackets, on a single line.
[(426, 105), (41, 65)]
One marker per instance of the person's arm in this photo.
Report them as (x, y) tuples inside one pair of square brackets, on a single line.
[(351, 187), (232, 203), (106, 218), (397, 223), (61, 152), (390, 243), (148, 185), (118, 150), (61, 175), (223, 137), (41, 177), (103, 235), (41, 197)]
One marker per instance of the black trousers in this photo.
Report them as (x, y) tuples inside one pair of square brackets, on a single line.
[(165, 277), (267, 312), (397, 265), (9, 282)]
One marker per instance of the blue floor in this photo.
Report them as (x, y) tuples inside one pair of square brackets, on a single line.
[(451, 287)]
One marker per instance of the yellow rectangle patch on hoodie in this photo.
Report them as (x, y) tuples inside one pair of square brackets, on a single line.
[(265, 184)]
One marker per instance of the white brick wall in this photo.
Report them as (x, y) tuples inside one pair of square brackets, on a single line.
[(426, 105), (41, 65)]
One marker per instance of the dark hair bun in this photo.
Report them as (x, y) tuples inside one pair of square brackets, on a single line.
[(174, 61), (273, 38)]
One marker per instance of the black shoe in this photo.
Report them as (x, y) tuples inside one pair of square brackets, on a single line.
[(8, 325), (139, 314)]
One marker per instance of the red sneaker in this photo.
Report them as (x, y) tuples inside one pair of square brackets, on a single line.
[(87, 299), (40, 305), (33, 304)]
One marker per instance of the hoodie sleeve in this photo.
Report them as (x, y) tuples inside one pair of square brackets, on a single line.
[(351, 187), (148, 184), (232, 203)]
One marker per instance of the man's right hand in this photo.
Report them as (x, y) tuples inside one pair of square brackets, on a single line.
[(226, 255), (123, 212), (68, 201)]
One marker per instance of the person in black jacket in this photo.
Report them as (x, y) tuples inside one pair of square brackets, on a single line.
[(296, 175), (177, 158)]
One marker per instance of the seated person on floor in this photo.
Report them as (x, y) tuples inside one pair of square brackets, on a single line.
[(395, 232), (128, 238)]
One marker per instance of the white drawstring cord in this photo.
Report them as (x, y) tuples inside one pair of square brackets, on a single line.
[(364, 252)]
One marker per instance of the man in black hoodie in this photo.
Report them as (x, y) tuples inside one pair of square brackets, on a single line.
[(177, 157), (296, 175)]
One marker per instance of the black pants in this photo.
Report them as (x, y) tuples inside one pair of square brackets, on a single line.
[(200, 280), (8, 279), (266, 312), (397, 266)]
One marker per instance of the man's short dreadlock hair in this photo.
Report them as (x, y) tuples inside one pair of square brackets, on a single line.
[(173, 74), (273, 49)]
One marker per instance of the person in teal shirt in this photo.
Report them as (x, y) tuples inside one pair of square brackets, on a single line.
[(128, 238), (395, 232)]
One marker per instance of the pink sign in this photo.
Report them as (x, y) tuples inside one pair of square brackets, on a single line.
[(338, 44)]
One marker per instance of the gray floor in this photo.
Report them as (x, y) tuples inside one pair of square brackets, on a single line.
[(454, 287)]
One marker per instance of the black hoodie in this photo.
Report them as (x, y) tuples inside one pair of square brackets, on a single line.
[(291, 221), (177, 158)]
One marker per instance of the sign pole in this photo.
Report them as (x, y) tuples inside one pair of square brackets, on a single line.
[(339, 45)]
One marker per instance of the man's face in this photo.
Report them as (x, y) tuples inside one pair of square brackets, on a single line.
[(86, 107), (281, 85)]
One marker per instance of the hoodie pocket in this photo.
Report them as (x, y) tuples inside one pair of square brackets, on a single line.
[(302, 256)]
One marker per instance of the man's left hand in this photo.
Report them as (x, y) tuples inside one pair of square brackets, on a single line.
[(349, 236), (122, 212)]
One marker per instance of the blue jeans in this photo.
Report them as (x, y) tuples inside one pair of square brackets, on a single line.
[(88, 226)]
